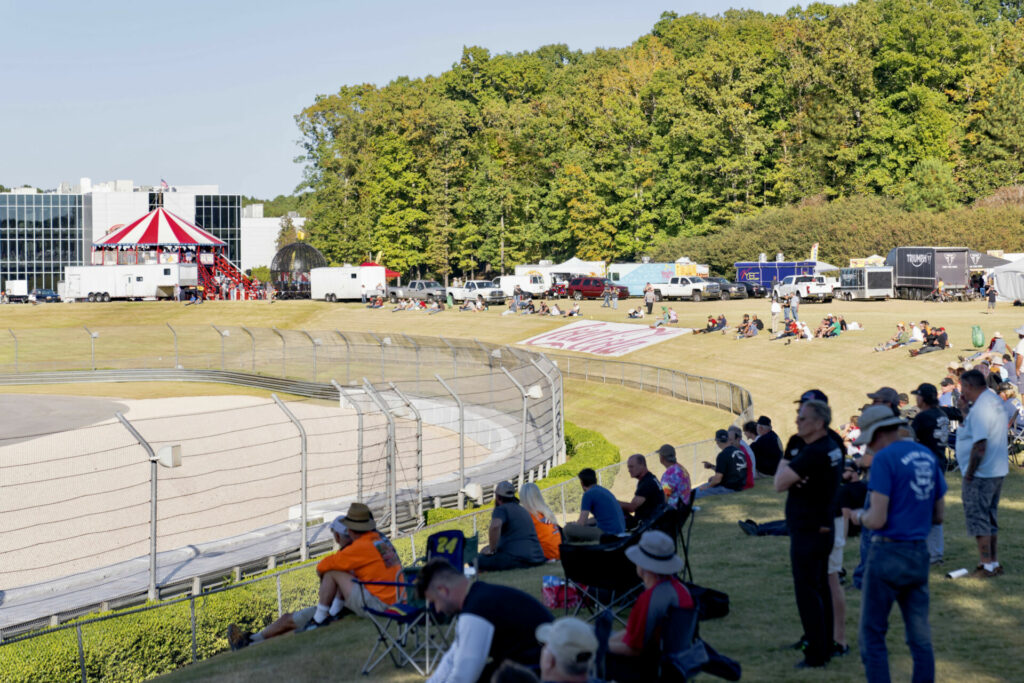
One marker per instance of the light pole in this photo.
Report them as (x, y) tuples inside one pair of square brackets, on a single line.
[(92, 344)]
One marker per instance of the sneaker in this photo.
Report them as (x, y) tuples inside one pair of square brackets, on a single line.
[(313, 624), (981, 573), (237, 638), (749, 528), (840, 650), (799, 645)]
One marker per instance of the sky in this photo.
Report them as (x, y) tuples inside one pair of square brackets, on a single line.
[(206, 92)]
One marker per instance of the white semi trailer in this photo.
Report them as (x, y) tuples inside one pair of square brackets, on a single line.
[(346, 282), (141, 281)]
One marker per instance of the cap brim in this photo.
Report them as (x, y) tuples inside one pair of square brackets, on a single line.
[(543, 632)]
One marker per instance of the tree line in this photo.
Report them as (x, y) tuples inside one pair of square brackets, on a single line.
[(694, 139)]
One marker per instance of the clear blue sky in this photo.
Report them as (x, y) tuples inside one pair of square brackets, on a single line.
[(206, 92)]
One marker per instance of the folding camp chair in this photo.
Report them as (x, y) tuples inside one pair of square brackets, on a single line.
[(603, 575), (406, 631), (683, 531), (1016, 438), (682, 652), (452, 545)]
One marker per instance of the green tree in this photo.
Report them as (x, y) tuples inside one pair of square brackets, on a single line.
[(930, 187)]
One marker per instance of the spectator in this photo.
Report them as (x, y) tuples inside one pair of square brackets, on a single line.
[(767, 447), (736, 440), (544, 521), (991, 296), (495, 623), (817, 469), (575, 312), (513, 542), (730, 469), (981, 452), (648, 496), (935, 341), (649, 297), (600, 503), (1018, 356), (364, 555), (570, 647), (906, 492), (510, 672), (657, 565), (1014, 411), (947, 398), (675, 482), (776, 309), (794, 306)]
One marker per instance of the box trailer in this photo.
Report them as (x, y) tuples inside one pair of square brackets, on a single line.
[(635, 276), (345, 283), (867, 282), (15, 291), (140, 281), (917, 270), (770, 273)]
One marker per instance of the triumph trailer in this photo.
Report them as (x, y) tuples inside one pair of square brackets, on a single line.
[(917, 270)]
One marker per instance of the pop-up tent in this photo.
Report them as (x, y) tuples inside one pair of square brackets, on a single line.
[(1009, 281)]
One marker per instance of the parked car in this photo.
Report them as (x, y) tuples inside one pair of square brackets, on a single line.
[(810, 287), (754, 289), (422, 290), (593, 288), (691, 287), (44, 296), (729, 290), (485, 289)]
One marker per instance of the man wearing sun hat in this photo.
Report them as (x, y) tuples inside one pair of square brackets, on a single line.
[(657, 565), (569, 650), (906, 490)]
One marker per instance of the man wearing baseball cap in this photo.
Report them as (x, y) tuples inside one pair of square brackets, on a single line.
[(767, 447), (513, 542), (730, 468), (657, 565), (906, 491), (569, 650)]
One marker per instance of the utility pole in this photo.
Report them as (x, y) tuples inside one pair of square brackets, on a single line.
[(502, 233)]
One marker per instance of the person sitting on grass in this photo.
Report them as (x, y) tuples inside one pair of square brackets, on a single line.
[(901, 338), (630, 652), (635, 314), (663, 320), (673, 317), (709, 327), (544, 310), (730, 469), (364, 555), (575, 311), (513, 542), (752, 329), (468, 305), (544, 521), (495, 623), (935, 340), (791, 329), (556, 311), (741, 329)]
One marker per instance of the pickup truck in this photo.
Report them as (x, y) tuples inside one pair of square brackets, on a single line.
[(423, 290), (688, 287), (813, 287), (490, 292)]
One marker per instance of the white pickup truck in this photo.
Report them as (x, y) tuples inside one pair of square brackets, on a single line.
[(490, 292), (813, 287), (688, 287)]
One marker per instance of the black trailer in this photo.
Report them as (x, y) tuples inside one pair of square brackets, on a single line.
[(917, 270)]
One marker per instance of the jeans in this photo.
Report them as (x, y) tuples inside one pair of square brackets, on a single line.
[(936, 544), (896, 572), (705, 491), (808, 555), (776, 528)]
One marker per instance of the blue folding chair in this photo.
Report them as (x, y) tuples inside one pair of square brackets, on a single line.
[(404, 631)]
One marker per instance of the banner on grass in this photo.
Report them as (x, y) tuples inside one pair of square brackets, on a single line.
[(602, 338)]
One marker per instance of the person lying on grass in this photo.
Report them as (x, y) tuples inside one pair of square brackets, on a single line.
[(365, 555)]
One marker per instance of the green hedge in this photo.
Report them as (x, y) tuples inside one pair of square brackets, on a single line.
[(156, 642)]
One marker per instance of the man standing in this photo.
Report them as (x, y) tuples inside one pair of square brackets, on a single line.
[(981, 452), (606, 294), (812, 479), (495, 623), (730, 469), (767, 447), (794, 305), (649, 298), (931, 429), (513, 542), (599, 502), (906, 491), (776, 310), (648, 496)]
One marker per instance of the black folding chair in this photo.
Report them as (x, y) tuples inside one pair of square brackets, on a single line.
[(682, 652)]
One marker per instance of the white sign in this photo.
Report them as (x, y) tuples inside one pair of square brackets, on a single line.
[(602, 338)]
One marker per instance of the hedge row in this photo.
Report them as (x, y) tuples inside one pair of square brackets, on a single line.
[(148, 644)]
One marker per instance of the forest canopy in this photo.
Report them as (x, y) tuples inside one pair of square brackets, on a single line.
[(716, 137)]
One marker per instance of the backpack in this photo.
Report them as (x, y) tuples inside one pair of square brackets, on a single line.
[(977, 336)]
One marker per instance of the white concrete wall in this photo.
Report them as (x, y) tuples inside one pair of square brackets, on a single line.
[(117, 208), (258, 240)]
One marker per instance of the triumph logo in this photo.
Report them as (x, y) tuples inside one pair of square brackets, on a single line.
[(975, 259), (918, 260), (950, 258)]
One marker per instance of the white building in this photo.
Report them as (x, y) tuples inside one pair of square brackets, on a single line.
[(259, 236)]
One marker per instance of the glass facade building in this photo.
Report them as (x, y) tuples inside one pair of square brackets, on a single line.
[(221, 216), (39, 235)]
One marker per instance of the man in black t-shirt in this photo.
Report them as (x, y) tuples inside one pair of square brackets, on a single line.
[(811, 480), (931, 430), (648, 496), (513, 542), (495, 623), (767, 447), (730, 469)]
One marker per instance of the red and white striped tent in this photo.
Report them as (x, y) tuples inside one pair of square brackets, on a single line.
[(159, 227)]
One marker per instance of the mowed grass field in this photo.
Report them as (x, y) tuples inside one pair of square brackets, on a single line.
[(976, 624)]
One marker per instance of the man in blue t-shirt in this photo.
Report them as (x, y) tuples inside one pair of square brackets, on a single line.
[(906, 490), (600, 503)]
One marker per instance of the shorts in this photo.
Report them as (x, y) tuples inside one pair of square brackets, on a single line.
[(981, 503), (357, 601), (835, 558)]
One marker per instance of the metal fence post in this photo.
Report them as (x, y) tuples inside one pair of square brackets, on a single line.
[(284, 352), (417, 348), (522, 463), (316, 343), (343, 396), (177, 362), (392, 455), (223, 335), (304, 547), (81, 652), (556, 430), (15, 349), (280, 610), (564, 518), (718, 401), (381, 343), (348, 353), (152, 593), (455, 363), (192, 611), (253, 338), (419, 448), (92, 344), (462, 440)]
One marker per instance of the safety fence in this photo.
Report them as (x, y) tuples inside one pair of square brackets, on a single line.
[(192, 627)]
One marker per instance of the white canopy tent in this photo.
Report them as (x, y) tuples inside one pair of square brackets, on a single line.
[(1009, 281), (822, 267)]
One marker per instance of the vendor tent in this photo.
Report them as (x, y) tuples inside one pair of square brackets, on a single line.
[(1009, 281), (578, 266), (979, 261), (159, 227), (822, 267)]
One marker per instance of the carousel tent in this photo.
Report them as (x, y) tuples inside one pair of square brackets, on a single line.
[(1009, 281), (159, 227)]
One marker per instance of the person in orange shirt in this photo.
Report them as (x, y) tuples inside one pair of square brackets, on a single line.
[(364, 555), (548, 532)]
